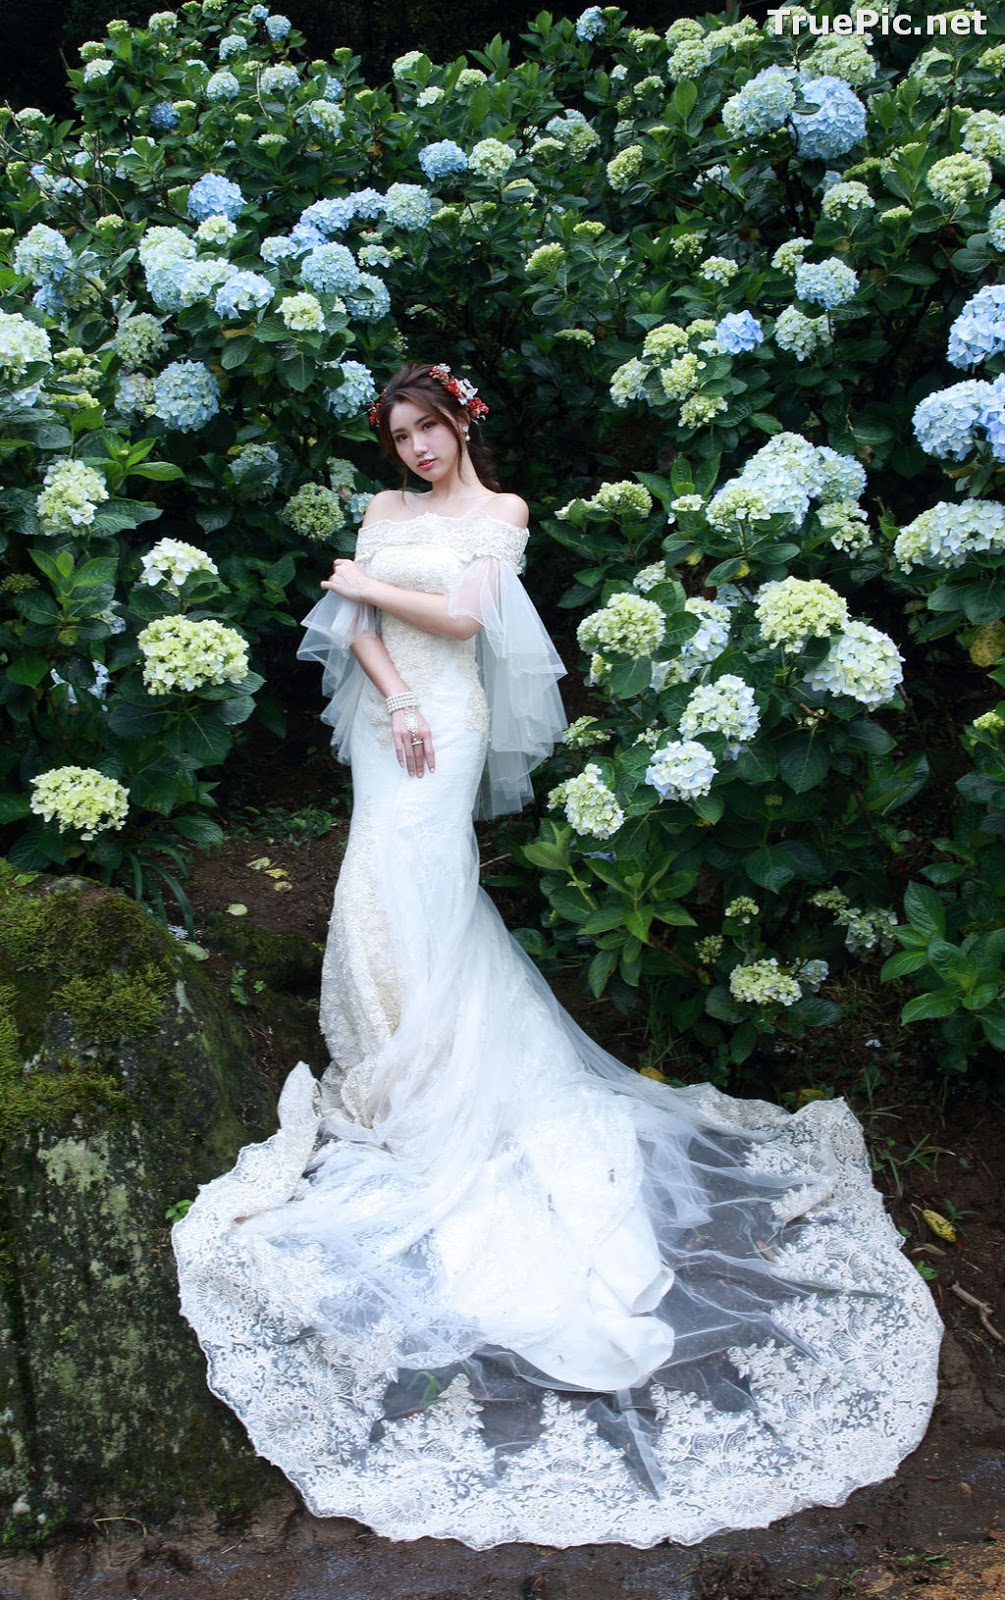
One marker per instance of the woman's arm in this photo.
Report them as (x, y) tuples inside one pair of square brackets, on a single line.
[(426, 611)]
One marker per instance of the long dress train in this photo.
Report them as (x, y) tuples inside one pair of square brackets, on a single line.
[(485, 1282)]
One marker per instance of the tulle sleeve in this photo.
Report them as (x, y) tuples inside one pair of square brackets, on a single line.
[(330, 630), (519, 667)]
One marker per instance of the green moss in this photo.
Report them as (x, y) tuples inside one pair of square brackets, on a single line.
[(116, 1005), (36, 1095)]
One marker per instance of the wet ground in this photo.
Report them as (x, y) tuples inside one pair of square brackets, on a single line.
[(936, 1530)]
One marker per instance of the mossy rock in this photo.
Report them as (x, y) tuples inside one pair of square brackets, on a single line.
[(125, 1082), (285, 961)]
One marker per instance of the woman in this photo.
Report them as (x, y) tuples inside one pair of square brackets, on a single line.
[(487, 1283)]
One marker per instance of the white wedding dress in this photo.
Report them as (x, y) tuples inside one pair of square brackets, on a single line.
[(485, 1282)]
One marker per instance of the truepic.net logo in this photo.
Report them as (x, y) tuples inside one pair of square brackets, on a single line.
[(961, 24)]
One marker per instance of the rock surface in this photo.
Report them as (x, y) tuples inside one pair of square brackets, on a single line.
[(124, 1082)]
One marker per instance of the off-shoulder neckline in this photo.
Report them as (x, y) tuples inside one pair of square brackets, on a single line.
[(423, 516)]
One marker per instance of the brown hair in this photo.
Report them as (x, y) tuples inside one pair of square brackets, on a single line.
[(413, 382)]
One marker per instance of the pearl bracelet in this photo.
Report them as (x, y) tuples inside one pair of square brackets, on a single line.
[(401, 702)]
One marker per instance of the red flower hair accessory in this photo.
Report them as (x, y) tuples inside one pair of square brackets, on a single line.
[(462, 390)]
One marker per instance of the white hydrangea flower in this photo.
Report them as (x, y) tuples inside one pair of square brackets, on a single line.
[(682, 770), (862, 662), (490, 158), (629, 382), (801, 335), (171, 561), (948, 534), (72, 493), (80, 798), (648, 577), (624, 499), (591, 806), (728, 707), (180, 654), (667, 340), (764, 983), (627, 623), (302, 313), (682, 376), (796, 609), (21, 344), (584, 734)]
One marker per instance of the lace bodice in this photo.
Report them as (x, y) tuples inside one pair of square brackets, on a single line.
[(463, 538)]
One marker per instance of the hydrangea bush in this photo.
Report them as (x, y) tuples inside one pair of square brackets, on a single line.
[(732, 296)]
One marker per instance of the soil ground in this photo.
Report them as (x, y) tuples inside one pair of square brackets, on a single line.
[(936, 1530)]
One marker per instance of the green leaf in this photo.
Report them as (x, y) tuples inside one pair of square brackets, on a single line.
[(28, 670), (638, 924), (600, 969), (742, 1042), (197, 829), (551, 857), (802, 761), (951, 963), (994, 1030), (774, 866), (939, 1003), (708, 806), (674, 916), (903, 964), (812, 1011), (720, 1004), (604, 920), (160, 471), (925, 911), (13, 807)]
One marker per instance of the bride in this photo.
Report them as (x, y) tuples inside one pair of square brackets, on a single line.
[(485, 1282)]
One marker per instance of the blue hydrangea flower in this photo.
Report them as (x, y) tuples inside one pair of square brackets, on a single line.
[(163, 116), (245, 291), (259, 462), (305, 236), (49, 298), (334, 89), (761, 106), (408, 206), (330, 269), (992, 417), (944, 422), (214, 196), (439, 160), (825, 283), (43, 254), (222, 86), (368, 203), (836, 127), (330, 216), (278, 247), (279, 80), (185, 396), (235, 44), (979, 330), (590, 24), (996, 226), (356, 391), (738, 331), (373, 303), (277, 27), (258, 13)]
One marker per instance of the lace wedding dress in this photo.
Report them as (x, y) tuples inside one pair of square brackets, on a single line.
[(485, 1282)]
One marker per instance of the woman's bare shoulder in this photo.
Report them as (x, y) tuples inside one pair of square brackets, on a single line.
[(386, 503), (509, 508)]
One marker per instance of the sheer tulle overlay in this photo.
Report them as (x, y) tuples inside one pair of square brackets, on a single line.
[(485, 1282)]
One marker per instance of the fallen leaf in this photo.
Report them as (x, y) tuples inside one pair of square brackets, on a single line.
[(940, 1226), (196, 951), (281, 886), (277, 872), (237, 910), (260, 863)]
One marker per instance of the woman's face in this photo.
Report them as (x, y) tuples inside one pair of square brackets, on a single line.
[(425, 442)]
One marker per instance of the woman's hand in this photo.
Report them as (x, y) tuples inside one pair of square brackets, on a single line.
[(346, 579), (414, 750)]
